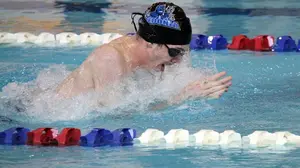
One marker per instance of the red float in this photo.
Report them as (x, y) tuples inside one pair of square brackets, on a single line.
[(240, 42), (48, 137)]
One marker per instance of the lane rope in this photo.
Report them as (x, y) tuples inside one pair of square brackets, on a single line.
[(128, 137), (261, 43)]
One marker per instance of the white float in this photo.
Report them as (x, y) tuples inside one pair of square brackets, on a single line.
[(67, 38), (230, 138), (90, 38), (285, 137), (60, 39), (177, 136), (227, 139), (25, 37), (260, 139), (207, 137), (6, 37), (151, 136), (45, 38)]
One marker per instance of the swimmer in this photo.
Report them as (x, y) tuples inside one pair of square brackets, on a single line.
[(162, 39)]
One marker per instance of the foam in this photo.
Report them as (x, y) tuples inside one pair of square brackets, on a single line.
[(37, 98)]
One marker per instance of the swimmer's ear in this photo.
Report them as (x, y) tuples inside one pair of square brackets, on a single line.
[(153, 45), (149, 45)]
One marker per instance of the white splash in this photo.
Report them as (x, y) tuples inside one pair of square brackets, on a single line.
[(37, 98)]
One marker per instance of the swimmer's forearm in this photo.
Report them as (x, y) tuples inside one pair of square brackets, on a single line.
[(178, 99), (159, 106)]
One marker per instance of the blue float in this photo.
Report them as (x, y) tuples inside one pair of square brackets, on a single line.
[(14, 136), (123, 137), (198, 42), (97, 137), (217, 42), (284, 44)]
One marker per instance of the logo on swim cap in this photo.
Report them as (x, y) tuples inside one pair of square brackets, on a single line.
[(162, 16)]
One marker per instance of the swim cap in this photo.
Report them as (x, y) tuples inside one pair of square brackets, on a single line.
[(165, 23)]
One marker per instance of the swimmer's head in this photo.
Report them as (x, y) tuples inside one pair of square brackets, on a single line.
[(166, 25)]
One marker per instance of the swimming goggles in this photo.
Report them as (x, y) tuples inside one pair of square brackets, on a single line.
[(173, 52)]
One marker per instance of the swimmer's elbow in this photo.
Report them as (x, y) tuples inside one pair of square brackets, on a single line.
[(74, 85)]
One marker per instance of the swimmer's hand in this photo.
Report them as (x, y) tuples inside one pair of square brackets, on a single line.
[(213, 87)]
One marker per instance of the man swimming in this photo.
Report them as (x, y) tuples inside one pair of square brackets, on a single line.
[(162, 39)]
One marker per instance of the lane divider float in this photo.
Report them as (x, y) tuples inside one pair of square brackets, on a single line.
[(262, 43), (64, 38), (67, 137), (98, 137)]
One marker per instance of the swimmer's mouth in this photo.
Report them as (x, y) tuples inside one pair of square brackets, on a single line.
[(160, 68)]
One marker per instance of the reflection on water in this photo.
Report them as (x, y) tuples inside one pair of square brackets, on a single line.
[(210, 17), (264, 96)]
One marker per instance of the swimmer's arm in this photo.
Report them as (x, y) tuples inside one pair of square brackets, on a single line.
[(108, 71), (78, 81), (107, 67), (176, 100), (97, 71), (211, 88), (160, 106)]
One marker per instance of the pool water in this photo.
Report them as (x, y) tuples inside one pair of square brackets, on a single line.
[(265, 94)]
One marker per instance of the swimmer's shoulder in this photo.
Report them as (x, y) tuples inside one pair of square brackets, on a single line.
[(105, 52), (106, 56)]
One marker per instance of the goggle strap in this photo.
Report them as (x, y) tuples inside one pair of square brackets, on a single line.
[(171, 52), (132, 19)]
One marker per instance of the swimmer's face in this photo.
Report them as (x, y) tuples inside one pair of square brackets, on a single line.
[(163, 56)]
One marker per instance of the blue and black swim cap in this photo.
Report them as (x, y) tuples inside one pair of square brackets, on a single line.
[(165, 23)]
